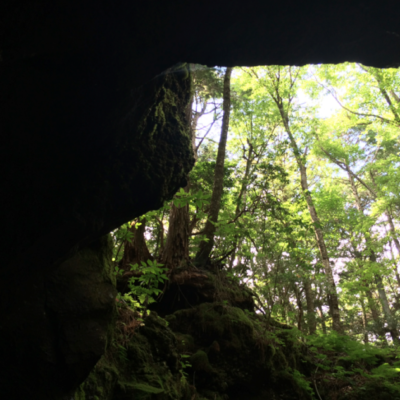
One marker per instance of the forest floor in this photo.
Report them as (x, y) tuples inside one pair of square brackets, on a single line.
[(204, 340)]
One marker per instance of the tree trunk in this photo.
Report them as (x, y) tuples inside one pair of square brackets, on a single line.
[(206, 246), (375, 73), (242, 195), (176, 250), (312, 324), (331, 286), (395, 269), (370, 298), (394, 333), (322, 318), (177, 245), (393, 232), (300, 312), (364, 321), (311, 321), (160, 237), (375, 314), (378, 279), (136, 251), (372, 305)]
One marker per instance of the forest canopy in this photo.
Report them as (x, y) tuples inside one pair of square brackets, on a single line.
[(295, 194)]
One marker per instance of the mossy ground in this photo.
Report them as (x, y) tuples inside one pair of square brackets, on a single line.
[(215, 350), (147, 366)]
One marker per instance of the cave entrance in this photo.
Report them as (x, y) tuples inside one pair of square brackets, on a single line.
[(310, 154)]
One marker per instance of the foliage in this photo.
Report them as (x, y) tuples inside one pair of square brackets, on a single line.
[(144, 286), (359, 364), (184, 365)]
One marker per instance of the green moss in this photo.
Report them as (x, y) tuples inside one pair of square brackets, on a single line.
[(200, 361), (229, 348), (220, 320), (140, 390), (185, 343), (80, 393), (149, 367), (228, 291), (237, 316), (100, 382)]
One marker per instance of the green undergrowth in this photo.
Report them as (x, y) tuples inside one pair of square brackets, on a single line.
[(347, 369)]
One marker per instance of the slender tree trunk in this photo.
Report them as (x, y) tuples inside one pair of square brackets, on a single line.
[(364, 321), (311, 320), (160, 237), (393, 330), (378, 279), (331, 286), (242, 195), (312, 324), (372, 305), (283, 304), (371, 190), (322, 318), (300, 312), (394, 333), (370, 298), (375, 314), (393, 231), (209, 230), (396, 271), (375, 73)]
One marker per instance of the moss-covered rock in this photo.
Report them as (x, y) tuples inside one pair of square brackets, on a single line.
[(146, 367), (210, 351), (189, 286), (199, 361), (216, 350), (237, 355), (62, 326)]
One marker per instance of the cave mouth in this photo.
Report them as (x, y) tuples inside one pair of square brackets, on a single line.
[(308, 146), (310, 171)]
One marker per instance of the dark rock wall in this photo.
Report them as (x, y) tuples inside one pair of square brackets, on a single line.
[(57, 326), (56, 317), (78, 172)]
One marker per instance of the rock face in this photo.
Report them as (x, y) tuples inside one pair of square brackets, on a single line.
[(54, 317), (94, 131), (57, 326)]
